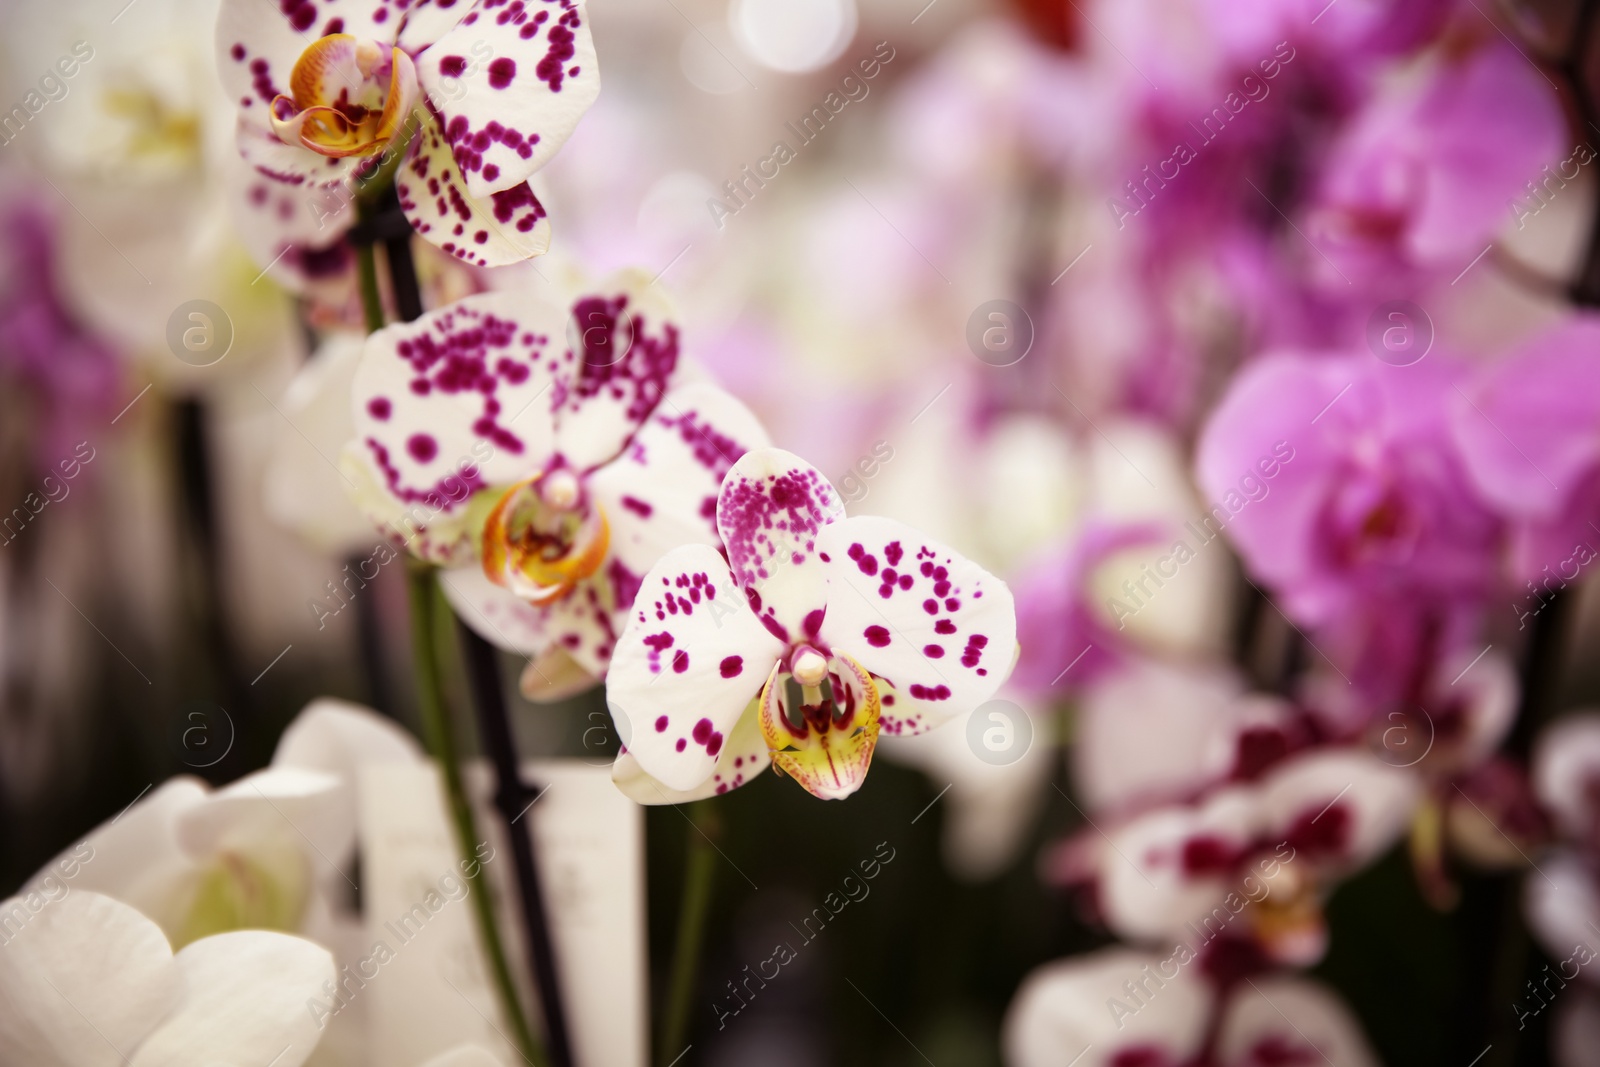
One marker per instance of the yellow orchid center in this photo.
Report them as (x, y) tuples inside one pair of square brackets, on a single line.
[(542, 538), (821, 724), (347, 97), (239, 891)]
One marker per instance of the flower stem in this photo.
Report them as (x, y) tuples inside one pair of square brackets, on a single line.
[(441, 743), (698, 868)]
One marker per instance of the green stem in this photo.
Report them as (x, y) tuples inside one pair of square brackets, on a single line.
[(367, 268), (699, 867), (441, 743)]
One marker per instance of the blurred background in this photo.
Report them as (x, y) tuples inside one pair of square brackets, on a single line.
[(995, 268)]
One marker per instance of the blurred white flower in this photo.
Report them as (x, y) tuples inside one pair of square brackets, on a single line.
[(89, 981)]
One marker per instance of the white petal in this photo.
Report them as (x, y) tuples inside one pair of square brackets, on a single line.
[(1153, 731), (135, 848), (339, 738), (257, 47), (690, 661), (1566, 759), (458, 400), (278, 801), (611, 392), (83, 980), (493, 231), (1148, 889), (494, 613), (1284, 1020), (245, 1003), (304, 488), (743, 757), (1340, 808), (1562, 902), (296, 232), (771, 511), (938, 628), (1079, 1007), (506, 116), (662, 491), (320, 180)]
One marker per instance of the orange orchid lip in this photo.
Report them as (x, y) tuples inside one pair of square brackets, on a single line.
[(339, 104), (538, 552)]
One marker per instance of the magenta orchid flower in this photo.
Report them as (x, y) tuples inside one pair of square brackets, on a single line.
[(548, 453), (1529, 431), (813, 634), (1425, 172), (1373, 500), (478, 95)]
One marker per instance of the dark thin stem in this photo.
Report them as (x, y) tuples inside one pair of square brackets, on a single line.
[(513, 798), (369, 640), (192, 443), (442, 745), (698, 870)]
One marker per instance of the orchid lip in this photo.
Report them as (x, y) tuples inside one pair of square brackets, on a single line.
[(348, 97), (539, 549)]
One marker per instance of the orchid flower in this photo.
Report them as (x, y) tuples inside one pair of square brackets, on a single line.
[(477, 99), (1338, 480), (546, 452), (1422, 176), (1251, 862), (87, 981), (1119, 1007), (269, 851), (813, 634), (1530, 445)]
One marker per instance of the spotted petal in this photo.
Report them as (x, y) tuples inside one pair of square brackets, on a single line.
[(457, 401), (508, 114), (939, 629), (492, 231), (293, 165), (772, 508), (257, 48), (691, 659), (622, 359), (1340, 809), (1174, 866), (661, 492), (742, 758)]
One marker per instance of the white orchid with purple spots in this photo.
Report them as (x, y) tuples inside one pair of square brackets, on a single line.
[(485, 93), (813, 634), (548, 452)]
